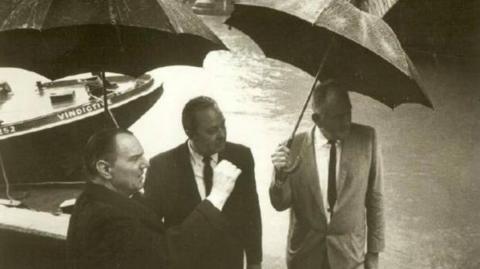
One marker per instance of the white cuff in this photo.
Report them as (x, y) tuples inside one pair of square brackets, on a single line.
[(217, 200)]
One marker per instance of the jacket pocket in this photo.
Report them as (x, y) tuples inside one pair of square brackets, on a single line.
[(300, 245)]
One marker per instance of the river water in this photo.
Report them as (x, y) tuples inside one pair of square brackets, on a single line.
[(431, 157)]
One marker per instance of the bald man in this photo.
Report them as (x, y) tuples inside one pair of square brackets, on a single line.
[(331, 180)]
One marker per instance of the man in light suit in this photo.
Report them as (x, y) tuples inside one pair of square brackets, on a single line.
[(331, 180), (179, 179)]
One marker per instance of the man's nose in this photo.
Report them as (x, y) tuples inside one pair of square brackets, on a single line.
[(222, 133), (144, 163)]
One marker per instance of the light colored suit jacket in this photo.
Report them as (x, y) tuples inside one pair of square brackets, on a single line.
[(357, 223)]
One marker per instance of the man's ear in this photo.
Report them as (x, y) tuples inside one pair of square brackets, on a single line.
[(190, 133), (103, 169)]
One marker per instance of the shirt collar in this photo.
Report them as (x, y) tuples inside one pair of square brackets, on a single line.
[(197, 157), (320, 139)]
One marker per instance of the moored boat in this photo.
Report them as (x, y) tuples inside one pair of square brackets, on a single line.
[(42, 142), (42, 134)]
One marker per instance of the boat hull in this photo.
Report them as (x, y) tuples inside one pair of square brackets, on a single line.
[(50, 147)]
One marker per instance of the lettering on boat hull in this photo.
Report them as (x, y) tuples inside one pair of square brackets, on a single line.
[(7, 130), (79, 111)]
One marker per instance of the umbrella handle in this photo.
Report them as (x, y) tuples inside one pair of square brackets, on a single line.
[(294, 165), (319, 71)]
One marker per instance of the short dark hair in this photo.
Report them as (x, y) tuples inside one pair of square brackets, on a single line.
[(324, 89), (193, 106), (101, 146)]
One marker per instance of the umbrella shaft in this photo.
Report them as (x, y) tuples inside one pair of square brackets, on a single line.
[(108, 113), (319, 71), (5, 179)]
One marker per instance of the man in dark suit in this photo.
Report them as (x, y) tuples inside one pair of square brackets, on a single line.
[(180, 179), (109, 230), (331, 179)]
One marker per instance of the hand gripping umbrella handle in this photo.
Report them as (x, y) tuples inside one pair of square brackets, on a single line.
[(319, 71)]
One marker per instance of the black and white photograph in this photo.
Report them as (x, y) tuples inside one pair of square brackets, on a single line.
[(239, 134)]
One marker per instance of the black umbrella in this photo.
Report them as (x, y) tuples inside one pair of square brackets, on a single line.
[(56, 38), (333, 39)]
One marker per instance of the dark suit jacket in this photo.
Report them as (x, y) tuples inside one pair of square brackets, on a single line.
[(171, 190), (357, 223), (108, 231)]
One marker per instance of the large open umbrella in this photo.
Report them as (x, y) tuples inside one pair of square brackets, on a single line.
[(333, 39), (56, 38)]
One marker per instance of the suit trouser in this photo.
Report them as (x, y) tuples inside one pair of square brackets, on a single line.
[(316, 258)]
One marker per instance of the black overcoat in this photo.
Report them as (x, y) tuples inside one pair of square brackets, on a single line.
[(108, 230)]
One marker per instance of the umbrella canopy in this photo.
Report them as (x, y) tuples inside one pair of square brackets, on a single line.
[(375, 7), (446, 28), (366, 55), (56, 38)]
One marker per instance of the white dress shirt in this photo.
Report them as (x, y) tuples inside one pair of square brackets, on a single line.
[(197, 164), (322, 157)]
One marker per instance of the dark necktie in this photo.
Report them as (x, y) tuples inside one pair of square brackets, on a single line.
[(332, 176), (207, 174)]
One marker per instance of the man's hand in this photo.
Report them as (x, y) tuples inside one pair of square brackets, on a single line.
[(371, 260), (254, 266), (280, 158), (225, 175)]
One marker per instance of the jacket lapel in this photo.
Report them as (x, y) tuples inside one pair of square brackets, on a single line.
[(345, 161), (310, 170), (187, 176)]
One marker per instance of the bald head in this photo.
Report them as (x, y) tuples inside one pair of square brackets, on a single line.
[(332, 110)]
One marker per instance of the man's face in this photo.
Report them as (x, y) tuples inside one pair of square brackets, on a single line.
[(334, 119), (129, 168), (210, 136)]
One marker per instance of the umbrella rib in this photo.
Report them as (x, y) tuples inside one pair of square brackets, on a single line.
[(7, 18), (170, 20), (114, 22), (381, 7), (45, 15)]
